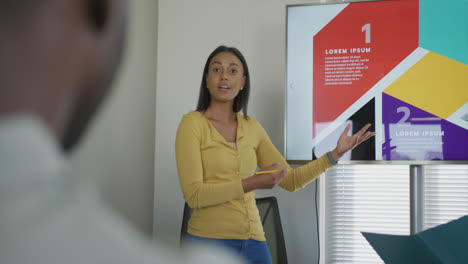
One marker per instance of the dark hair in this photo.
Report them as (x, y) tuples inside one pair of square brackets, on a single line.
[(242, 98), (19, 11), (15, 12)]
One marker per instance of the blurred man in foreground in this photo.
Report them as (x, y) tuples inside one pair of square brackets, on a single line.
[(58, 59)]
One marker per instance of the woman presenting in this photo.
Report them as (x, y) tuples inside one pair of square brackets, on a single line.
[(218, 150)]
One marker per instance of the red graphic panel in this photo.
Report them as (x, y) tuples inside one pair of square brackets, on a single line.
[(355, 50)]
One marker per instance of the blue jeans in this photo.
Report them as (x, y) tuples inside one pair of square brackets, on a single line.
[(253, 251)]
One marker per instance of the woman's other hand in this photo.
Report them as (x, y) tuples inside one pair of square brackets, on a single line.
[(265, 181), (346, 143)]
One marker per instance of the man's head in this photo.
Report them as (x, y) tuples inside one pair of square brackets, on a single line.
[(58, 60)]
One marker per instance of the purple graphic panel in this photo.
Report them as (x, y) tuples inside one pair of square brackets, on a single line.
[(413, 134)]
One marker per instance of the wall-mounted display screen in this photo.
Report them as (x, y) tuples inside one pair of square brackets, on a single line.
[(401, 65)]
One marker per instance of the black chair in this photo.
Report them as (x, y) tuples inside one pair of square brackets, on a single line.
[(185, 219), (271, 221)]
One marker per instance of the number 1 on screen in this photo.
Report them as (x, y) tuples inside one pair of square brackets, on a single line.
[(366, 28)]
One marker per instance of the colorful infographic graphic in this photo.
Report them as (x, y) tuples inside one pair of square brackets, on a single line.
[(409, 59), (356, 49)]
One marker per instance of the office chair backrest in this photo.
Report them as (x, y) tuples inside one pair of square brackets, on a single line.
[(185, 218), (271, 221)]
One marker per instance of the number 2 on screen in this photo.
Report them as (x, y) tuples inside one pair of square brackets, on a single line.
[(406, 114), (366, 29)]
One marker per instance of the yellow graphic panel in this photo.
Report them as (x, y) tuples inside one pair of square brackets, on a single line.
[(435, 84)]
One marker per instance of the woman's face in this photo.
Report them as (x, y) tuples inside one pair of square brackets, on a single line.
[(225, 77)]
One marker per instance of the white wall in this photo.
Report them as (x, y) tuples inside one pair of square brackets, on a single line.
[(119, 147), (187, 32)]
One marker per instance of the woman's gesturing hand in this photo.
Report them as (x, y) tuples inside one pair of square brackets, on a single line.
[(266, 180), (346, 143)]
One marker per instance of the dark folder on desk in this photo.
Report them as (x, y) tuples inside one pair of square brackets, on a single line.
[(447, 244)]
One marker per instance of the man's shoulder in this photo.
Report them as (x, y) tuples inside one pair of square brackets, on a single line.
[(95, 234)]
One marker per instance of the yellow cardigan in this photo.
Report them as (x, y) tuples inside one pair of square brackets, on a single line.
[(210, 173)]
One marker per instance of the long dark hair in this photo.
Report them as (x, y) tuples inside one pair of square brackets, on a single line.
[(242, 98)]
